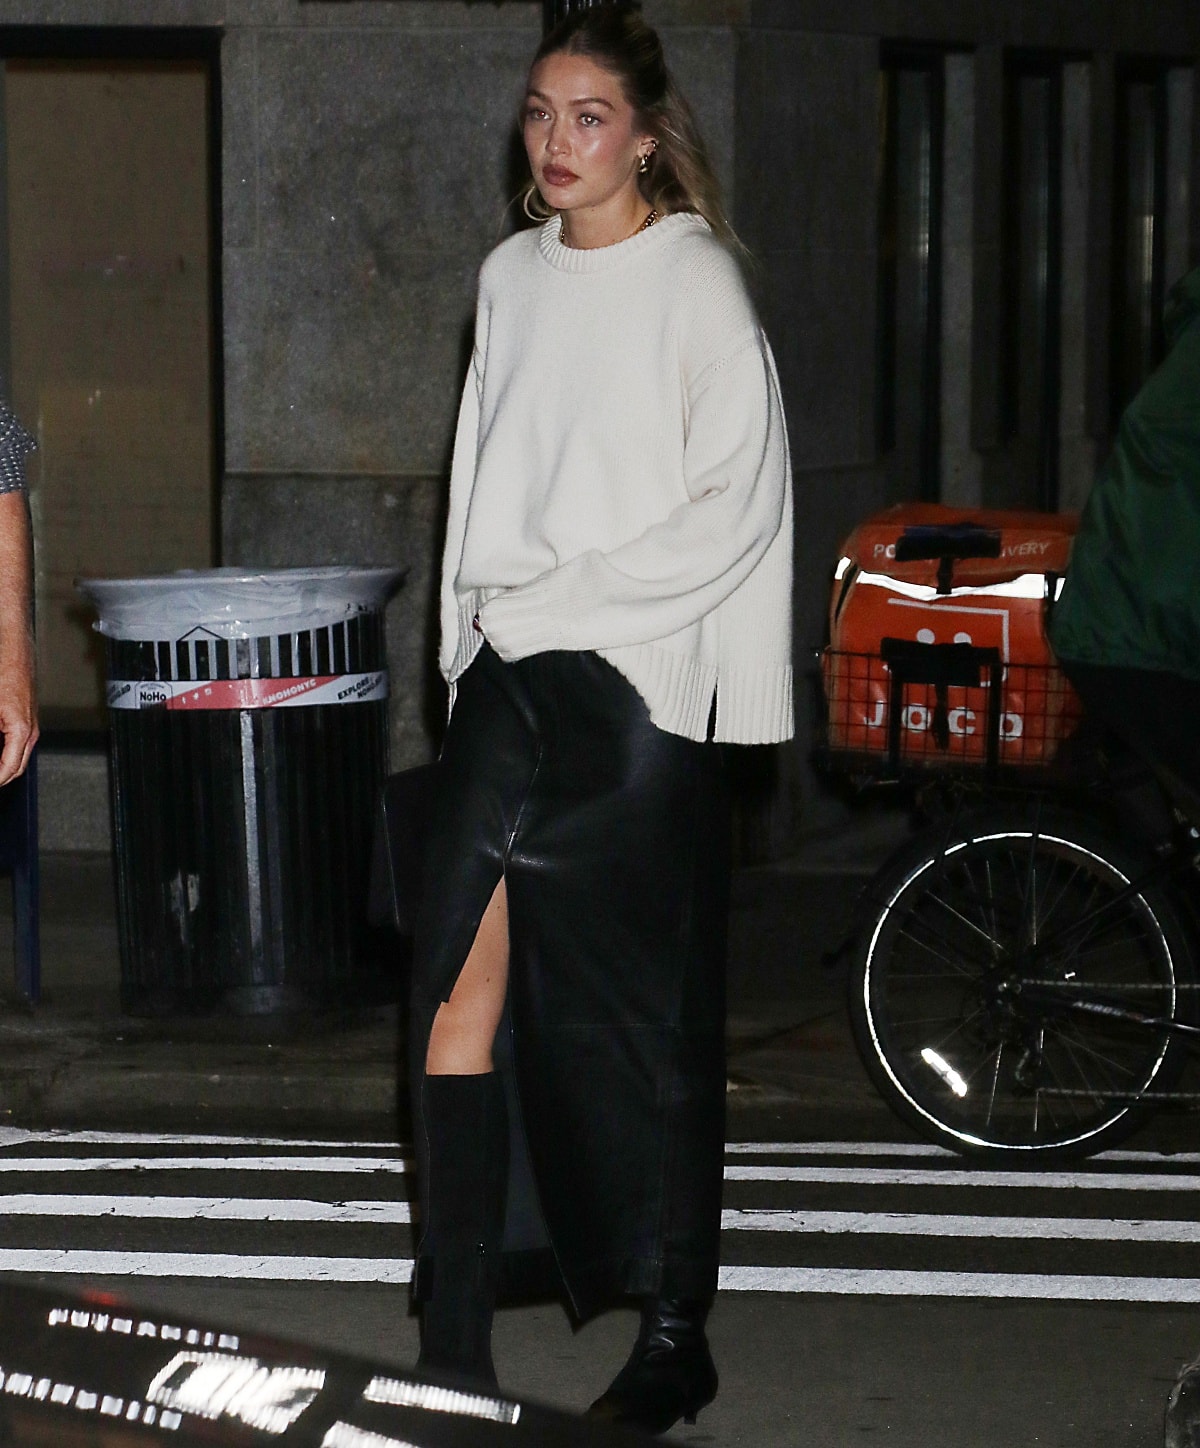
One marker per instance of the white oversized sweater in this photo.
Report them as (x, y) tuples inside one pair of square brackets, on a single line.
[(621, 480)]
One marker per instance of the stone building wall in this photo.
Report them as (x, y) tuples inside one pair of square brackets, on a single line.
[(367, 161)]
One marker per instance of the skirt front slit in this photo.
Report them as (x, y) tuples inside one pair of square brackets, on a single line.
[(612, 838)]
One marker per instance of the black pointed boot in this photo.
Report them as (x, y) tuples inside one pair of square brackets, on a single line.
[(466, 1174), (670, 1372)]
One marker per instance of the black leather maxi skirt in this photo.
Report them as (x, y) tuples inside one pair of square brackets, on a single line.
[(613, 840)]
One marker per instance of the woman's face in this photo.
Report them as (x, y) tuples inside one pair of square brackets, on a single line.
[(580, 138)]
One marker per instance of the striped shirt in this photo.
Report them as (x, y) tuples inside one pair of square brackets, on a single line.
[(15, 443)]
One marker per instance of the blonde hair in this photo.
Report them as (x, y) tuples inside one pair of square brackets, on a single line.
[(680, 176)]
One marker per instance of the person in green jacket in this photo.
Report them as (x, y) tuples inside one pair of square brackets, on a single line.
[(1127, 626)]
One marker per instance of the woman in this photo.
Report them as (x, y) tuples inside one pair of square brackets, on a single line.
[(615, 600)]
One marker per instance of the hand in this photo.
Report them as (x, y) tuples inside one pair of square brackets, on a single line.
[(18, 717), (18, 700)]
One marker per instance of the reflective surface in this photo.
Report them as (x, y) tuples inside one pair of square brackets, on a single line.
[(94, 1371)]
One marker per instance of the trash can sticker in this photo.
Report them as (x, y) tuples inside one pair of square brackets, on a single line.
[(286, 693)]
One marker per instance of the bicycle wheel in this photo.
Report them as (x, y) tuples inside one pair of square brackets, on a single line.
[(1000, 997)]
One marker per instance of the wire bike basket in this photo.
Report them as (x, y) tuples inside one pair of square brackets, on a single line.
[(917, 706)]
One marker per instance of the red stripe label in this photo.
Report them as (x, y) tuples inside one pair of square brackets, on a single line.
[(248, 693)]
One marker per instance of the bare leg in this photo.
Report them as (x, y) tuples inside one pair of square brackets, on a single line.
[(465, 1025)]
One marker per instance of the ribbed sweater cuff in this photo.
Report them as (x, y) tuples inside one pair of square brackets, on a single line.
[(518, 623)]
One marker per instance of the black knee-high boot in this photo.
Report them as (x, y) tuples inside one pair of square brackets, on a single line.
[(466, 1129)]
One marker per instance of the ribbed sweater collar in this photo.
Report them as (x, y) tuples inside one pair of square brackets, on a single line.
[(605, 258)]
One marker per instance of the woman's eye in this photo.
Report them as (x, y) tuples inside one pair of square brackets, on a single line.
[(535, 113), (587, 119)]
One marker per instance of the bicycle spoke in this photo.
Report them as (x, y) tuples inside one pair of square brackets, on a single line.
[(937, 936), (947, 960), (991, 1106)]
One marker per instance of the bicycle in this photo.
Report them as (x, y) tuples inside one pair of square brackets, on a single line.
[(1025, 983)]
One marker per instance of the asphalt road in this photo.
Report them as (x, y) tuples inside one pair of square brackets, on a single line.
[(873, 1290)]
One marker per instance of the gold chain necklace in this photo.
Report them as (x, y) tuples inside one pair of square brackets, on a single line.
[(645, 226)]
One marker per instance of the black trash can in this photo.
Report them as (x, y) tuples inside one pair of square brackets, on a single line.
[(249, 736)]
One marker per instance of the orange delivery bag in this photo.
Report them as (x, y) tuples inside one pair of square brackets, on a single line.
[(938, 655)]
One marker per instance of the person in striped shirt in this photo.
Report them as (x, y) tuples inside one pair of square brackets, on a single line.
[(18, 694)]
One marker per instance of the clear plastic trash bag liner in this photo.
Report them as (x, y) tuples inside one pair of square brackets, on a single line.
[(235, 603)]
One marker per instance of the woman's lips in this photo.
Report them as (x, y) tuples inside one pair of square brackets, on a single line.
[(558, 175)]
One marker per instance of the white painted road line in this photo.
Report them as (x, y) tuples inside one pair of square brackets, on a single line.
[(11, 1136), (878, 1176), (217, 1209), (20, 1136), (850, 1281), (399, 1213), (916, 1224), (835, 1148), (206, 1265), (836, 1281), (921, 1148), (334, 1165)]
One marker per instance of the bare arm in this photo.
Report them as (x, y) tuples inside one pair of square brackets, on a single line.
[(18, 703)]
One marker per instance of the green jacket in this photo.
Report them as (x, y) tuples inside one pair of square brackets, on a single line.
[(1132, 594)]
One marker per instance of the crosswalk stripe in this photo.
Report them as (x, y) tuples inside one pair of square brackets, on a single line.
[(948, 1177), (206, 1265), (871, 1282), (13, 1136), (922, 1148), (23, 1136), (917, 1224), (399, 1213), (837, 1281), (311, 1164), (221, 1209), (835, 1148)]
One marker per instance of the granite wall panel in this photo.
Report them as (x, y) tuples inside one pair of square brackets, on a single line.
[(378, 196), (239, 138), (819, 312), (807, 142), (367, 145), (99, 14), (344, 367), (807, 128), (454, 16), (1167, 27), (704, 62)]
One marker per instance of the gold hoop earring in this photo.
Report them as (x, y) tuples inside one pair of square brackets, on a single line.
[(527, 203)]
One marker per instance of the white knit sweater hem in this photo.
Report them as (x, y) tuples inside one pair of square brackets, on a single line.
[(754, 704)]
